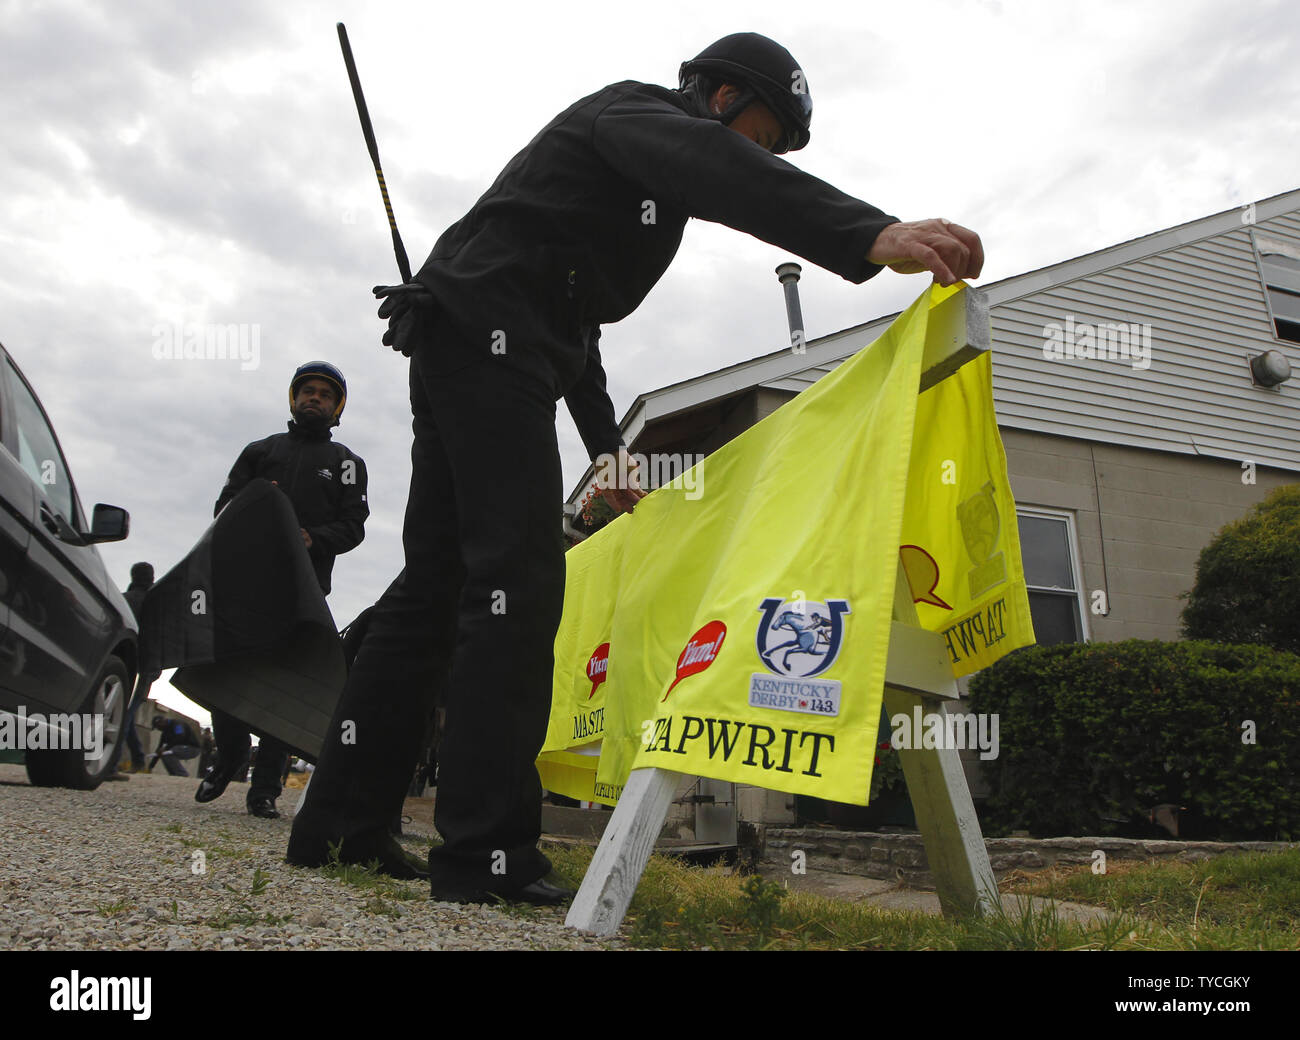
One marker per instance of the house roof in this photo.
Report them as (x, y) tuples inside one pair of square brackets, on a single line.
[(784, 370), (787, 371)]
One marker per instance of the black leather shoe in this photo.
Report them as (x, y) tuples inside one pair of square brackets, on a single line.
[(396, 861), (263, 807), (213, 785), (388, 857), (539, 893)]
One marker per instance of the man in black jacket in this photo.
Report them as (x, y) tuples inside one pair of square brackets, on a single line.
[(327, 485), (177, 741), (502, 320), (141, 583)]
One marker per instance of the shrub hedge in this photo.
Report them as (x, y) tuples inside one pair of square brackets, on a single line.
[(1247, 587), (1094, 735)]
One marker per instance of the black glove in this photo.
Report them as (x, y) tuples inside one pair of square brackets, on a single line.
[(410, 310)]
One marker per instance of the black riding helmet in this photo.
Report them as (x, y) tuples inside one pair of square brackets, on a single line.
[(321, 370), (767, 72)]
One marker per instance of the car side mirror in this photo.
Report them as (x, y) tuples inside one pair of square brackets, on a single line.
[(109, 524)]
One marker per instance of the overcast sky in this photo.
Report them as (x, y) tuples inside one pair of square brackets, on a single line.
[(169, 164)]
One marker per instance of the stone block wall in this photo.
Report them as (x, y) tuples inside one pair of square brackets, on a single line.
[(901, 857)]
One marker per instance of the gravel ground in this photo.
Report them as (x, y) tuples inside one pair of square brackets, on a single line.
[(116, 869)]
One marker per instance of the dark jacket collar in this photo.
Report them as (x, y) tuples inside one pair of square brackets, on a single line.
[(296, 430)]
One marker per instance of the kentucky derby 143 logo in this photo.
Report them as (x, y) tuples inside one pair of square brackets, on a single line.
[(798, 640)]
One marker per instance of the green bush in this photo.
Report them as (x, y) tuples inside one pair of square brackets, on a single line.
[(1093, 735), (1247, 586)]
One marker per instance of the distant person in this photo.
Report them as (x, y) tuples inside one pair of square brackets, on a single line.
[(326, 483), (207, 751), (177, 743), (141, 582)]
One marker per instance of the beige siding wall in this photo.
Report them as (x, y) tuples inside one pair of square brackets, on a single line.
[(1158, 510), (1205, 304)]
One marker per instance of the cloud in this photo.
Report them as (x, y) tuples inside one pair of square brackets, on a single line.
[(202, 163)]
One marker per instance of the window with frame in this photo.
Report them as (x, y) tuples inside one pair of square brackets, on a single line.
[(38, 450), (1055, 597), (1279, 266)]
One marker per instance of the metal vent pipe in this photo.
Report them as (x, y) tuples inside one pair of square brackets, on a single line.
[(789, 273)]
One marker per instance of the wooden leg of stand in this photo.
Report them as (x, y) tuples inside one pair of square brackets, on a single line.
[(945, 814), (630, 837)]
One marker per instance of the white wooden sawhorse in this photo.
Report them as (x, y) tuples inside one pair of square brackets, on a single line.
[(917, 674)]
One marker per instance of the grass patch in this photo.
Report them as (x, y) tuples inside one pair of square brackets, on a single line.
[(211, 850), (244, 914), (522, 911), (366, 876), (380, 907), (1250, 901), (260, 880), (1233, 902), (113, 909), (243, 917)]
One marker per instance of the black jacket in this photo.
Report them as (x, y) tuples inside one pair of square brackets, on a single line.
[(584, 221), (134, 596), (177, 734), (325, 482)]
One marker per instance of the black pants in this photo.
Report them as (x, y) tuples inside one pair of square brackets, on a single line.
[(173, 756), (470, 623), (233, 744)]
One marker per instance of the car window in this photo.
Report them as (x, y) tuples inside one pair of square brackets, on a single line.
[(38, 451)]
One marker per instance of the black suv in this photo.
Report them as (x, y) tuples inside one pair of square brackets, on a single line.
[(67, 637)]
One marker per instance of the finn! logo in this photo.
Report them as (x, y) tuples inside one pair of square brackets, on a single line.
[(701, 650)]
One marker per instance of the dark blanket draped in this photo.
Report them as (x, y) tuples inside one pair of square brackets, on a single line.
[(243, 620)]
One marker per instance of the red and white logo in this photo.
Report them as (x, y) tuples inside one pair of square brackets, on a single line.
[(598, 667), (701, 650)]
